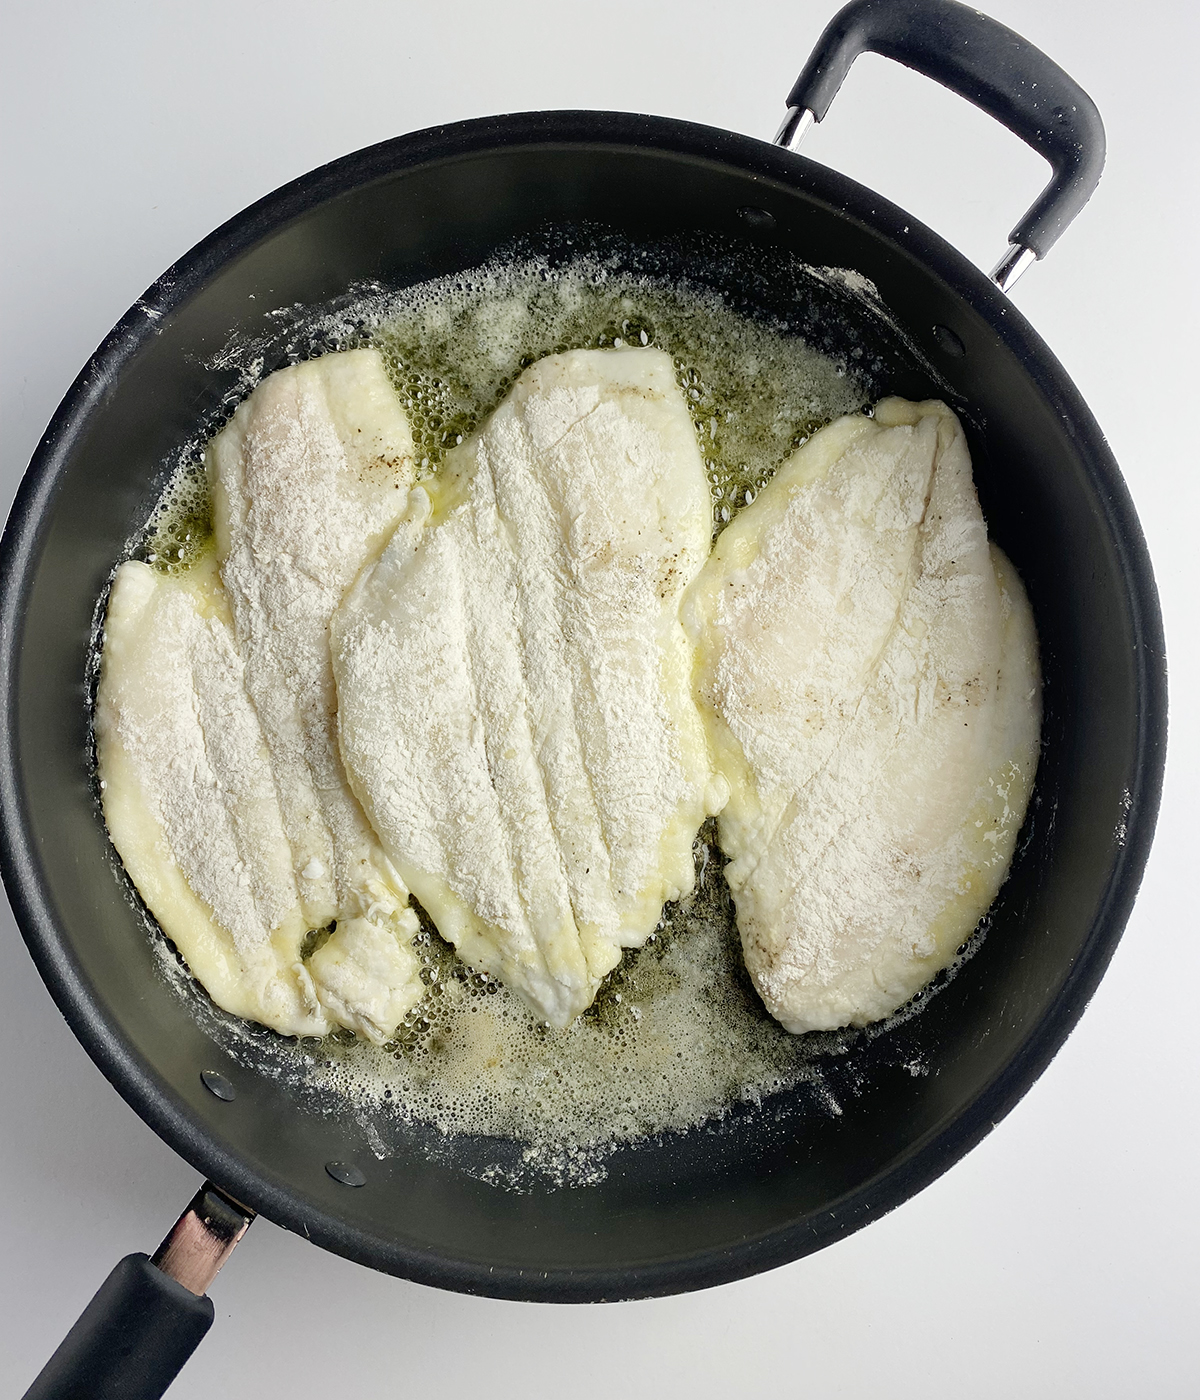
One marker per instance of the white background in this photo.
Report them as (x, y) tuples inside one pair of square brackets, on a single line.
[(1059, 1258)]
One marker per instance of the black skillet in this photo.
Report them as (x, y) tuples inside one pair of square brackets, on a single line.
[(778, 1181)]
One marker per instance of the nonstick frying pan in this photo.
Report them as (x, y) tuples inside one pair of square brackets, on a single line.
[(781, 1179)]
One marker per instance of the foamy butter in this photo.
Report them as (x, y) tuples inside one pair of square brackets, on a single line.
[(677, 1033)]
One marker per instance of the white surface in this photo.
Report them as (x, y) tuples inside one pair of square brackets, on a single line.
[(1059, 1258)]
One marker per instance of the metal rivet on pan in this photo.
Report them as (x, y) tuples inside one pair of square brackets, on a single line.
[(218, 1085), (949, 342), (756, 218), (346, 1173)]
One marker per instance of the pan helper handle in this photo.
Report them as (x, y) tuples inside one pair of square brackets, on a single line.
[(992, 67), (149, 1314)]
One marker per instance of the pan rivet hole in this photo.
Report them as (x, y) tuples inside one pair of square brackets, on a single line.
[(345, 1173), (218, 1085), (756, 218), (949, 342)]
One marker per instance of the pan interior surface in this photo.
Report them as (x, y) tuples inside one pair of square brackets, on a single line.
[(887, 1112)]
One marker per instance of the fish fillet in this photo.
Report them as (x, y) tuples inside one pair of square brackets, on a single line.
[(189, 798), (308, 480), (513, 680), (869, 674)]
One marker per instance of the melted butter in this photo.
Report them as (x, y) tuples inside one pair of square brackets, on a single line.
[(675, 1035), (755, 393), (180, 531)]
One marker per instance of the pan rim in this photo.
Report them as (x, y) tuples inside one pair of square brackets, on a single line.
[(152, 1097)]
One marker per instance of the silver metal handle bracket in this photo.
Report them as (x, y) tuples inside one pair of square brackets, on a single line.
[(202, 1239), (1011, 265), (795, 127)]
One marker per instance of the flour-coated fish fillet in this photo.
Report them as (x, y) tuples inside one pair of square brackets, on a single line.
[(513, 680), (308, 480), (870, 677), (189, 799)]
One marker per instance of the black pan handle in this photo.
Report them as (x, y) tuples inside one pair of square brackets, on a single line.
[(989, 65), (131, 1341), (150, 1314)]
